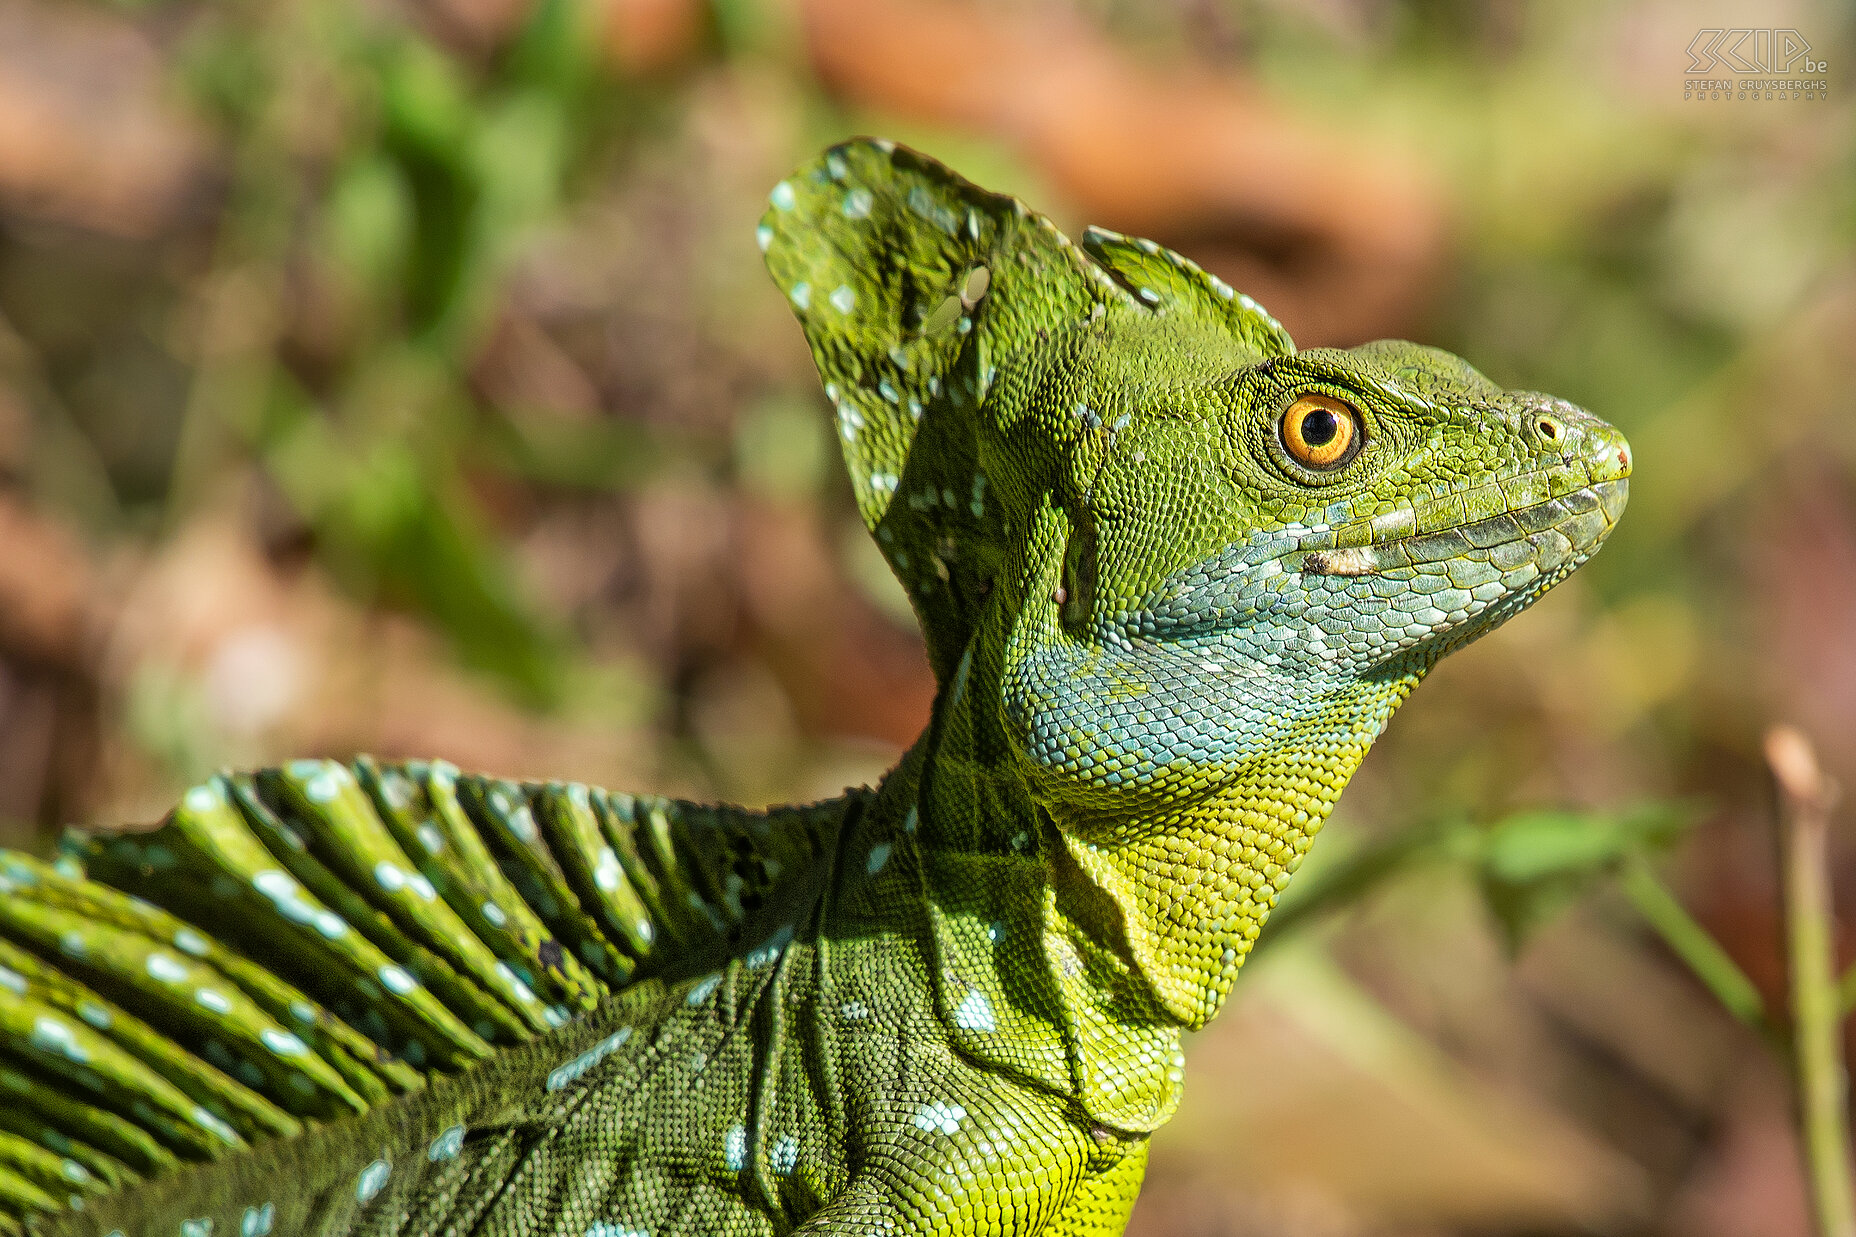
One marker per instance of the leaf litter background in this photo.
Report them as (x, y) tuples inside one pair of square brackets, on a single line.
[(400, 376)]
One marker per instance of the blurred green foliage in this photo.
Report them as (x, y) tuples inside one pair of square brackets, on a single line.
[(426, 177)]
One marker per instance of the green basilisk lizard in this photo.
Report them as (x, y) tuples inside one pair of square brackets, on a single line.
[(1174, 576)]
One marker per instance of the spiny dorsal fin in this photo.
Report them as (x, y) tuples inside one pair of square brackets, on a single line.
[(295, 950), (1168, 282)]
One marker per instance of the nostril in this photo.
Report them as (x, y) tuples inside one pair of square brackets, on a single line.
[(1549, 429)]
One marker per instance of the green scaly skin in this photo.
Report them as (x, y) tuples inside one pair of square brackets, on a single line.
[(394, 1000)]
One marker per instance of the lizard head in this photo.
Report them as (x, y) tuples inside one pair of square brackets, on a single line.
[(1252, 545), (1174, 573)]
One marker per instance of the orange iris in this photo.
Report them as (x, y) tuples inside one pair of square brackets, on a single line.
[(1321, 432)]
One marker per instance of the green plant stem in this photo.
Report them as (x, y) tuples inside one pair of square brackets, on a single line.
[(1695, 946), (1805, 798), (1846, 992)]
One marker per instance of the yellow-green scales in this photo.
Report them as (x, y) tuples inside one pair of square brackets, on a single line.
[(1174, 576)]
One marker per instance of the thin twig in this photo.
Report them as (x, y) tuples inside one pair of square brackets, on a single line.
[(1846, 991), (1696, 947), (1806, 796)]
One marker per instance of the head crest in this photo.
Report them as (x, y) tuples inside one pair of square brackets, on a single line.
[(915, 288)]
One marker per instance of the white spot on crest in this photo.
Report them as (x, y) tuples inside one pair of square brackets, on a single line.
[(447, 1145), (771, 950), (282, 1043), (857, 204), (961, 672), (54, 1036), (372, 1180), (844, 298), (763, 236), (879, 855), (703, 991), (975, 1012), (396, 792), (735, 1148), (576, 1068), (257, 1221), (274, 884), (167, 968), (207, 1121), (945, 1118), (607, 872), (784, 1156), (783, 196), (396, 979), (523, 992), (802, 294)]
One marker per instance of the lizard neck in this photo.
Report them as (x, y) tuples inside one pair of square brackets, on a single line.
[(1193, 881), (1073, 943)]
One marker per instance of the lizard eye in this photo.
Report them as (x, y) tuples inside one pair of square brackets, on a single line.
[(1321, 432)]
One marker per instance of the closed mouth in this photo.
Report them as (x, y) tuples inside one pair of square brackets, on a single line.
[(1547, 534)]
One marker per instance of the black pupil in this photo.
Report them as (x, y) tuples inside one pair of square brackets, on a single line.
[(1319, 426)]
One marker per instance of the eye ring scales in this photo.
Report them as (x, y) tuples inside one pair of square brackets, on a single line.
[(1321, 433)]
